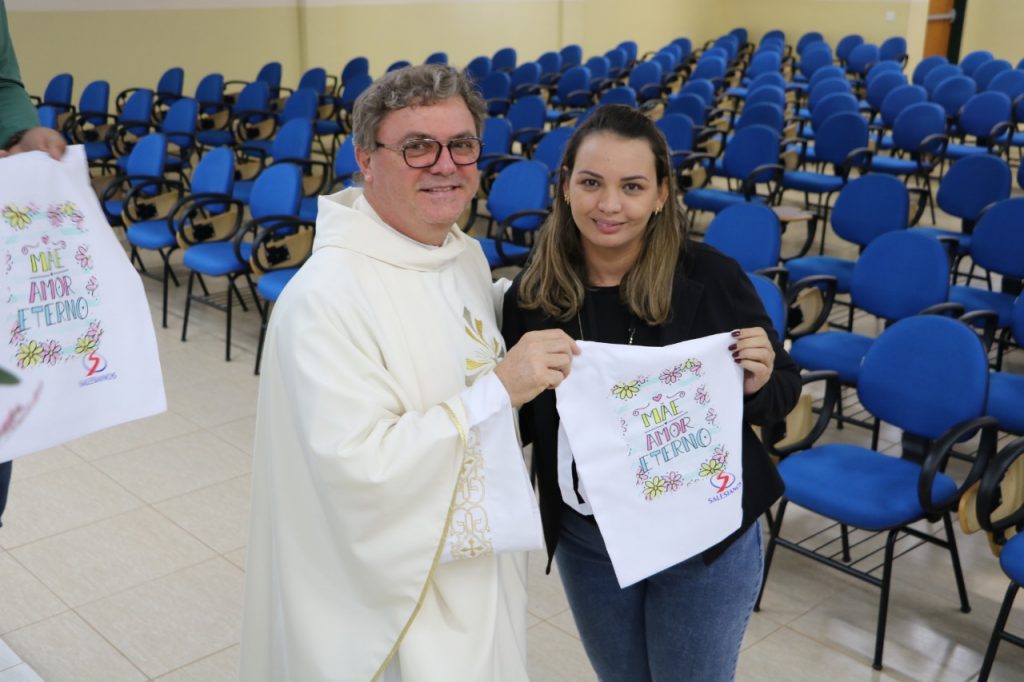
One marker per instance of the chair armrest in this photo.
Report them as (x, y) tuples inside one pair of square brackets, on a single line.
[(829, 297), (989, 322), (922, 204), (990, 495), (828, 405), (859, 158), (749, 187), (195, 206), (933, 145), (947, 309), (940, 452), (777, 273)]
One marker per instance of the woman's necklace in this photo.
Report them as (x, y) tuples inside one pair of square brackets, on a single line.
[(579, 321)]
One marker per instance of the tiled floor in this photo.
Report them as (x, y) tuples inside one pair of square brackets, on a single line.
[(122, 556)]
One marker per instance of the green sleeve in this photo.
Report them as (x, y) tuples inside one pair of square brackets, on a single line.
[(16, 110)]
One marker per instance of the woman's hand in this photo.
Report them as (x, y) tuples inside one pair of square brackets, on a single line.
[(754, 353)]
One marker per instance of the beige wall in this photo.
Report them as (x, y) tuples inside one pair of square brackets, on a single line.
[(994, 25)]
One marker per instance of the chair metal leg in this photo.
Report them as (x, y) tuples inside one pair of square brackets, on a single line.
[(844, 540), (770, 550), (188, 304), (997, 631), (876, 429), (961, 587), (227, 342), (883, 603)]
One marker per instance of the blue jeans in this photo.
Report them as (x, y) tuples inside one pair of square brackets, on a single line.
[(684, 623)]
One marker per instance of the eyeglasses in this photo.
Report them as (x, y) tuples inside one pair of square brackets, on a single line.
[(423, 152)]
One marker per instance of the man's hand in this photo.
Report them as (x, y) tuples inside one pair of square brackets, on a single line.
[(540, 361), (39, 139)]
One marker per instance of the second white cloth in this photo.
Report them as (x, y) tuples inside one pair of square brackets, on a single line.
[(656, 436)]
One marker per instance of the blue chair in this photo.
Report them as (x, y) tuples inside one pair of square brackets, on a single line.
[(400, 64), (679, 133), (90, 122), (496, 89), (893, 104), (571, 55), (646, 80), (973, 60), (345, 165), (899, 274), (919, 132), (1011, 554), (525, 80), (939, 74), (518, 202), (846, 45), (751, 158), (550, 68), (179, 125), (622, 94), (210, 95), (987, 117), (572, 92), (200, 211), (250, 118), (750, 234), (1006, 389), (120, 135), (275, 201), (986, 72), (357, 66), (504, 59), (142, 176), (57, 94), (773, 300), (925, 66), (269, 74), (600, 73), (550, 149), (879, 87), (951, 94), (436, 58), (997, 246), (901, 382), (478, 68), (862, 58), (688, 104), (528, 116), (497, 147), (894, 49)]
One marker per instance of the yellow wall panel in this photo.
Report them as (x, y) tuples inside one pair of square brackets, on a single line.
[(994, 25)]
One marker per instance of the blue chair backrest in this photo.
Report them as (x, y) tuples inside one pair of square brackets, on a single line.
[(497, 137), (973, 60), (846, 45), (709, 68), (353, 89), (917, 122), (830, 72), (838, 135), (880, 68), (808, 39), (882, 85), (496, 86), (983, 112), (748, 233), (600, 69), (925, 66), (171, 82), (301, 104), (861, 58), (766, 94), (816, 56), (644, 75), (772, 299), (1017, 320), (48, 116), (254, 96), (277, 191), (836, 103), (182, 118), (667, 60), (478, 68), (685, 46), (436, 58), (137, 109), (572, 55), (148, 157), (270, 73), (95, 99), (766, 80), (826, 88), (622, 94), (314, 79), (525, 79), (702, 87), (551, 147), (357, 66), (898, 99), (522, 186), (753, 146), (893, 49), (631, 49), (617, 59), (998, 240), (345, 164), (764, 63), (58, 90), (527, 112), (678, 132), (1010, 83), (215, 172), (899, 274), (871, 206), (939, 74), (740, 34), (774, 34), (294, 140), (574, 87), (504, 59), (989, 70), (210, 91), (550, 65), (925, 374), (951, 94), (400, 64), (688, 104), (762, 113), (972, 184)]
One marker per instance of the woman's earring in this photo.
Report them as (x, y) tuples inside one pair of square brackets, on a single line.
[(566, 195), (657, 211)]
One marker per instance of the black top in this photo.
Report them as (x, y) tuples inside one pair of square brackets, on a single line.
[(710, 295)]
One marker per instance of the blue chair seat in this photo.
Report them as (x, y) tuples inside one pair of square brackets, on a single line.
[(736, 92), (806, 181), (960, 151), (271, 284), (151, 234), (982, 299), (243, 190), (839, 268), (963, 241), (714, 200), (215, 138), (494, 259), (1012, 558), (308, 210), (892, 165), (836, 350), (880, 491), (327, 127), (256, 147), (97, 150), (217, 258), (113, 207), (1005, 400)]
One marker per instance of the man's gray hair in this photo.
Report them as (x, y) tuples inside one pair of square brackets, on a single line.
[(420, 85)]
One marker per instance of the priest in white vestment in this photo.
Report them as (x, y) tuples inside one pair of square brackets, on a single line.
[(389, 493)]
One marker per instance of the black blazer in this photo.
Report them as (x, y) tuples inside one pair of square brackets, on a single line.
[(710, 295)]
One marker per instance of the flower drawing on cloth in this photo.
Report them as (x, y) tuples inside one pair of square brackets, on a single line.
[(642, 476), (85, 344), (18, 218), (721, 454), (469, 533), (83, 257), (29, 354), (673, 481), (694, 366), (627, 390), (91, 286), (702, 397), (671, 375), (17, 334), (711, 417), (51, 352), (57, 214), (487, 352), (654, 487), (710, 468)]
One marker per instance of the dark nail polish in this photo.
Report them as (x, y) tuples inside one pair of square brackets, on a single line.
[(732, 347), (735, 353), (736, 332)]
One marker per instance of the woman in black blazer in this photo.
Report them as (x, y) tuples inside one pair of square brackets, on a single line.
[(613, 264)]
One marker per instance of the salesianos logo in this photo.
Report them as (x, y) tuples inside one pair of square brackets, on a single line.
[(95, 369)]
